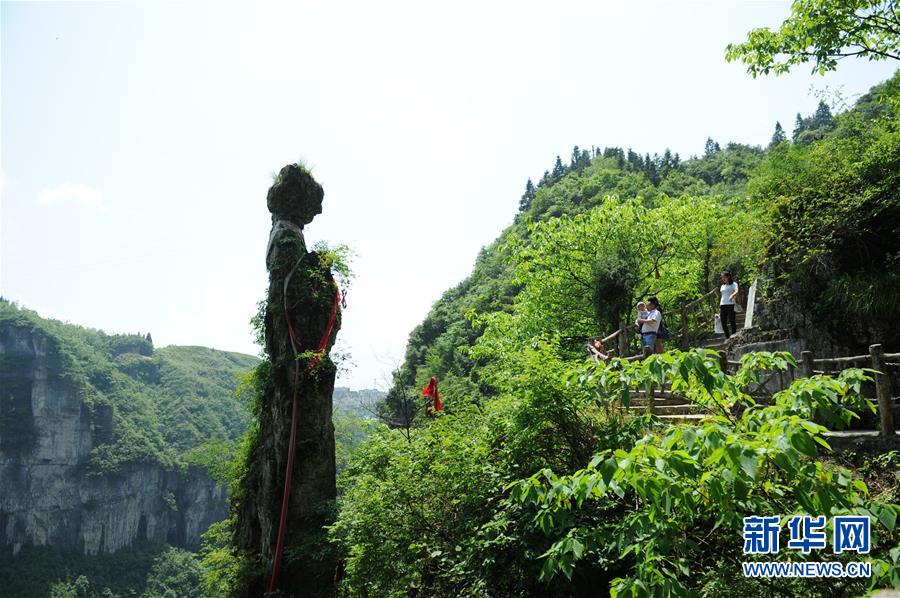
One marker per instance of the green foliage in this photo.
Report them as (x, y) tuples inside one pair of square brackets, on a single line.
[(618, 504), (681, 494), (42, 571), (582, 275), (537, 481), (726, 170), (229, 463), (350, 430), (220, 560), (336, 259), (80, 587), (197, 394), (427, 513), (175, 574), (815, 127), (834, 213), (146, 570), (822, 32), (778, 137), (611, 176), (146, 406)]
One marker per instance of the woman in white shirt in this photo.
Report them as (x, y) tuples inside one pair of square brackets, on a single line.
[(729, 291)]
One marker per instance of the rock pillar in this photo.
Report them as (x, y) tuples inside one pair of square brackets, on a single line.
[(301, 297)]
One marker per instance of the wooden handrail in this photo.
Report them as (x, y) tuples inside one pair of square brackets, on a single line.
[(606, 339), (632, 327), (700, 299), (850, 359)]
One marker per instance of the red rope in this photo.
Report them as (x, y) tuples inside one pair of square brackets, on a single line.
[(285, 499)]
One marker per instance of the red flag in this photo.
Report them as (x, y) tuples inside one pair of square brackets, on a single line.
[(431, 391)]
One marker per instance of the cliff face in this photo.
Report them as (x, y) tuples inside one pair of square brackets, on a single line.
[(48, 493)]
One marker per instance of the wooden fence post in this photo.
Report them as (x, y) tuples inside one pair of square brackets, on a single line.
[(882, 390), (723, 361), (806, 363), (684, 338), (623, 341)]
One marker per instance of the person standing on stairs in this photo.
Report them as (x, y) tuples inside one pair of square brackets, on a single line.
[(729, 291), (650, 327)]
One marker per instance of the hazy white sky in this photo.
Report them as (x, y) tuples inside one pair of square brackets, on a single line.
[(138, 141)]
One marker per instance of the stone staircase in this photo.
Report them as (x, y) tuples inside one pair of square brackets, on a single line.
[(716, 340), (667, 407), (673, 408)]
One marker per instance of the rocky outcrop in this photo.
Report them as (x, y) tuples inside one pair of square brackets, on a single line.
[(782, 312), (48, 494), (301, 299)]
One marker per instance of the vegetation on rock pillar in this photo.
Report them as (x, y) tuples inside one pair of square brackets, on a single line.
[(301, 298)]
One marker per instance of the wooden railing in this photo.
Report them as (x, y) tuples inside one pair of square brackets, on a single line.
[(876, 359), (697, 316), (697, 319)]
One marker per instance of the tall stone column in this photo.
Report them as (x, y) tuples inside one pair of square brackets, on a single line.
[(301, 296)]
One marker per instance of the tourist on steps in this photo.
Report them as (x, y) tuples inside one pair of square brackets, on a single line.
[(650, 327), (729, 291)]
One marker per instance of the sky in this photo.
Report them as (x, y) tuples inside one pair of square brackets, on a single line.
[(138, 140)]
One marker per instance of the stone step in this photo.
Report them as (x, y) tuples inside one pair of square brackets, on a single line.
[(687, 418), (664, 402), (657, 394)]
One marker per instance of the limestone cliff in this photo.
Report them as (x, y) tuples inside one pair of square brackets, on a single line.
[(302, 298), (54, 422)]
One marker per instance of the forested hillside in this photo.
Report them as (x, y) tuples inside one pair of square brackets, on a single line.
[(816, 208), (103, 446), (536, 481), (163, 402)]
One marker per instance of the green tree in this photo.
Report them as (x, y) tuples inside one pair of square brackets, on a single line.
[(580, 275), (668, 507), (822, 116), (822, 32), (176, 573), (833, 210), (800, 126), (559, 170), (80, 587), (527, 197), (778, 136), (580, 159), (814, 127)]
